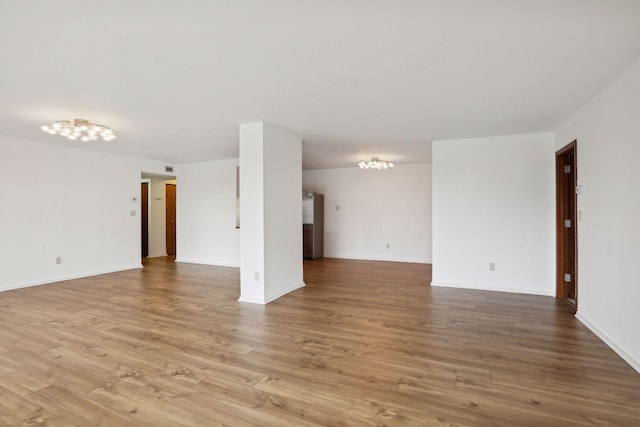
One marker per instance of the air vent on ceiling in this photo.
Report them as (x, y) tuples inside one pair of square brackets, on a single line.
[(168, 168)]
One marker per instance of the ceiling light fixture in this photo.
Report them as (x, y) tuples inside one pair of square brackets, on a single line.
[(375, 163), (79, 129)]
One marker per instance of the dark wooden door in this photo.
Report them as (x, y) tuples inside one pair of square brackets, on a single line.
[(144, 218), (566, 224), (171, 218)]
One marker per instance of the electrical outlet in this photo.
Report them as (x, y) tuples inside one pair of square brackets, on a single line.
[(388, 246), (337, 207), (492, 266), (256, 276), (133, 213), (58, 260)]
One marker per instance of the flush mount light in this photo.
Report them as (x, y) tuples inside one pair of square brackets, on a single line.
[(375, 163), (79, 129)]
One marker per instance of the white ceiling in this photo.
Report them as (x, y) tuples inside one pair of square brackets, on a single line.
[(175, 78)]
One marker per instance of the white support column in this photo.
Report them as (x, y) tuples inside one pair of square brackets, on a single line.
[(270, 213)]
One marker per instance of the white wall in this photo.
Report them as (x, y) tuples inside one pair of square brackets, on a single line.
[(67, 202), (252, 285), (376, 207), (206, 208), (282, 212), (494, 202), (608, 133)]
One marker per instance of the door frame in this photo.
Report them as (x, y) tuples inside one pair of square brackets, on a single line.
[(563, 190), (144, 218), (173, 230), (155, 210)]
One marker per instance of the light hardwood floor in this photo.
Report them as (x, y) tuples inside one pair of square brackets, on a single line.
[(365, 343)]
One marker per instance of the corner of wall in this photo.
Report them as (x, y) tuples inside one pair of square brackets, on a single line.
[(635, 364)]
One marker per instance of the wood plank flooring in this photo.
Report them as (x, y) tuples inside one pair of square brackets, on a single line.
[(364, 343)]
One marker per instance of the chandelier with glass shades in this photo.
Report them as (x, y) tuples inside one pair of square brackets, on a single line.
[(80, 129), (375, 163)]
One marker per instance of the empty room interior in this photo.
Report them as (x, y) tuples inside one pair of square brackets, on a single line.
[(319, 213)]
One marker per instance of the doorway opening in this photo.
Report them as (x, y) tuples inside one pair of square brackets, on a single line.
[(566, 224), (158, 215)]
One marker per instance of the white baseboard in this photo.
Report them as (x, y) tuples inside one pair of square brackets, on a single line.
[(192, 261), (412, 261), (279, 294), (252, 300), (271, 298), (64, 278), (156, 255), (495, 289), (635, 364)]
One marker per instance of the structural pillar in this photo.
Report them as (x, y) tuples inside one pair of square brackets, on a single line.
[(270, 213)]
